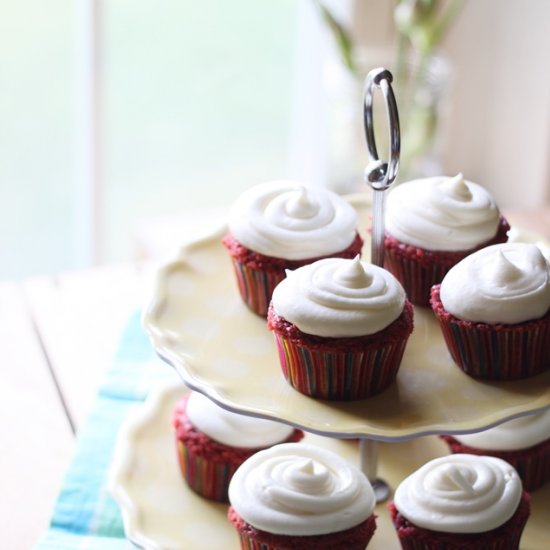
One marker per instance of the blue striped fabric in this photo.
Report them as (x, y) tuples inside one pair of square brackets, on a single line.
[(85, 515)]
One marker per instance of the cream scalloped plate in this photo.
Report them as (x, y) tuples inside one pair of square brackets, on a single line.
[(161, 513), (198, 324)]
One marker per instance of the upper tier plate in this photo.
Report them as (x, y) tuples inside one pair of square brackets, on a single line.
[(198, 323)]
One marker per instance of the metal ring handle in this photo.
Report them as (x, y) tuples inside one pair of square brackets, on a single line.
[(378, 174)]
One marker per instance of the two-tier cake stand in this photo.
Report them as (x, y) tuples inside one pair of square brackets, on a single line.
[(198, 323)]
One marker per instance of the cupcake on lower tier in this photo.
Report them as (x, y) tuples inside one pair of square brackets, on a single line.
[(493, 309), (303, 497), (283, 225), (432, 224), (524, 443), (461, 502), (341, 327), (212, 442)]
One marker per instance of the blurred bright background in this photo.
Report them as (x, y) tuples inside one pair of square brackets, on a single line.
[(197, 101)]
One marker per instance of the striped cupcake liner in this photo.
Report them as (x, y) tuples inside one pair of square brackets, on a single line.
[(250, 544), (495, 352), (417, 278), (532, 464), (505, 537), (207, 478), (256, 286), (339, 375)]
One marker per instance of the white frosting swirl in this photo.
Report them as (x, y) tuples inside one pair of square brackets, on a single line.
[(503, 283), (520, 433), (286, 219), (299, 489), (441, 213), (336, 297), (232, 429), (460, 493)]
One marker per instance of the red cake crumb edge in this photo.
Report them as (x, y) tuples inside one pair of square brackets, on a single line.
[(412, 536), (255, 260), (440, 311), (399, 329), (355, 538), (443, 257), (202, 445)]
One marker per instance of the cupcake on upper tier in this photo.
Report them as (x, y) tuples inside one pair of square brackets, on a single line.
[(523, 442), (213, 442), (431, 224), (493, 309), (283, 225), (461, 502), (341, 327), (301, 496)]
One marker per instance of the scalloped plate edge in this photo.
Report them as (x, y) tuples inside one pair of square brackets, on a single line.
[(144, 413)]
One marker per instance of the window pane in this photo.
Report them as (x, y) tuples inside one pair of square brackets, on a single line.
[(35, 136), (198, 98)]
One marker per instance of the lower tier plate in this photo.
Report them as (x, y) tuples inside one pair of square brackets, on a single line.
[(160, 512)]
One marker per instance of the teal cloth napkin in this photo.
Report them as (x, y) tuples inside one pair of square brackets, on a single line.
[(85, 515)]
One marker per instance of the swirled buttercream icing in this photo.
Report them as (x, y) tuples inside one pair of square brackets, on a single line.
[(301, 490), (285, 219), (503, 283), (337, 297), (441, 213), (460, 493), (232, 429), (520, 433)]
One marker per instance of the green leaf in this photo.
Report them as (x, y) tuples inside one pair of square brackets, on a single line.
[(341, 36)]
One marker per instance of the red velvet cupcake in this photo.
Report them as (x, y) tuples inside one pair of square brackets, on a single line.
[(283, 225), (524, 443), (461, 502), (493, 309), (301, 497), (212, 443), (341, 327), (432, 224)]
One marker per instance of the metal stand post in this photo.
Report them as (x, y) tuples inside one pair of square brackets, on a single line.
[(379, 176)]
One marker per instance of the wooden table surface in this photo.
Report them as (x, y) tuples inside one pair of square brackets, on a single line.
[(59, 334)]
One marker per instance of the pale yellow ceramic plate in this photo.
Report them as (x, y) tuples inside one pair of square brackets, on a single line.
[(160, 512), (198, 324)]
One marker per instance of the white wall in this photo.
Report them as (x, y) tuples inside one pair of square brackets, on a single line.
[(498, 130), (195, 108)]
